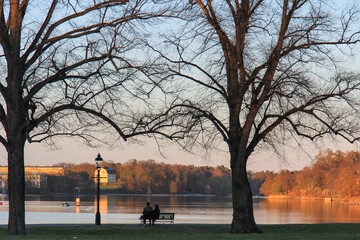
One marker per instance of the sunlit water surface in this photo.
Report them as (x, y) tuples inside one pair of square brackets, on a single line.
[(188, 209)]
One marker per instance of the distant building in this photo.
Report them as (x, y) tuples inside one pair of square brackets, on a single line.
[(36, 175), (3, 181), (36, 180), (58, 171), (107, 175)]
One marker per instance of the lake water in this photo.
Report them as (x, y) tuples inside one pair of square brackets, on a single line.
[(188, 209)]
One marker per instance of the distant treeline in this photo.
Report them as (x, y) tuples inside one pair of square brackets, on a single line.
[(146, 177), (150, 177), (333, 175)]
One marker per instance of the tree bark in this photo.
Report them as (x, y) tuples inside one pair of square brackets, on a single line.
[(243, 214), (16, 180), (16, 136)]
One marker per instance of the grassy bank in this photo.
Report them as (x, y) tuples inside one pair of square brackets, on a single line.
[(188, 232)]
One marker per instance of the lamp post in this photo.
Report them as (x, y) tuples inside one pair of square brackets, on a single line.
[(98, 161)]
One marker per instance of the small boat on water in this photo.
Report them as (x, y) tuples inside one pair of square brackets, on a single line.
[(65, 204)]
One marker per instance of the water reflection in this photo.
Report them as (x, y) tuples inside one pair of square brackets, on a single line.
[(309, 211), (188, 209)]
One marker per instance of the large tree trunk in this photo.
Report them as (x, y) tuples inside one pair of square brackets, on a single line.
[(16, 136), (16, 185), (243, 214)]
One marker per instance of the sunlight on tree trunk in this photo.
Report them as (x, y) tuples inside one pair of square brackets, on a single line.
[(243, 211)]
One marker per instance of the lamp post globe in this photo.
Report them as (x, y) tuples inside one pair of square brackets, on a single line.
[(98, 161)]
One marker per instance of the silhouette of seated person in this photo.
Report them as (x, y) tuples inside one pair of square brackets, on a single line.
[(155, 213), (147, 213)]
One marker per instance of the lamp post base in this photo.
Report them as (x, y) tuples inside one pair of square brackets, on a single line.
[(97, 219)]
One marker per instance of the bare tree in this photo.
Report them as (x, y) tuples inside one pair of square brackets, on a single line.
[(255, 71), (66, 72)]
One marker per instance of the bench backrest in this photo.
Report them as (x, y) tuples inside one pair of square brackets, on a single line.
[(166, 216)]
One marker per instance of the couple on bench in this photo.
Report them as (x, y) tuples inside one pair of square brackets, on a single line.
[(149, 213)]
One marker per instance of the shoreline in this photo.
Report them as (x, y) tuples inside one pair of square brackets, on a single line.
[(353, 201), (132, 194)]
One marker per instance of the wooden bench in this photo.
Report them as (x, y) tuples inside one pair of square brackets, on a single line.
[(164, 217)]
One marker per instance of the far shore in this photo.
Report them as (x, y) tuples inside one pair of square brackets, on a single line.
[(345, 201), (355, 200)]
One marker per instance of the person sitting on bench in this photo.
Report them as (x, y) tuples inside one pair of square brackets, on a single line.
[(147, 213), (155, 213)]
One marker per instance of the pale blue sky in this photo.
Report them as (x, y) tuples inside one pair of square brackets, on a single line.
[(70, 151)]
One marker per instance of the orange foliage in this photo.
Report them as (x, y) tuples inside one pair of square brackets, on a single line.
[(334, 175)]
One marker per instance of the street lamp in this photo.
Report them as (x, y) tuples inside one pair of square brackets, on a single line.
[(98, 161)]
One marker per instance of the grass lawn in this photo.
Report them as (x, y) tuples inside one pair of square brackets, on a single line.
[(188, 232)]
